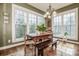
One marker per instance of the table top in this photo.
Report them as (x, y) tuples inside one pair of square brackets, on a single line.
[(32, 42), (36, 35), (36, 38)]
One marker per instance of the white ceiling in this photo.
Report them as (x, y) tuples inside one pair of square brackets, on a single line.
[(44, 6)]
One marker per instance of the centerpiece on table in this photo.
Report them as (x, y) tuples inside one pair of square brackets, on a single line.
[(41, 28)]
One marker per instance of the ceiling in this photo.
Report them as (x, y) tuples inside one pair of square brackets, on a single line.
[(44, 6)]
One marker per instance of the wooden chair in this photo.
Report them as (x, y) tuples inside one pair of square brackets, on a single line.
[(53, 42), (28, 42)]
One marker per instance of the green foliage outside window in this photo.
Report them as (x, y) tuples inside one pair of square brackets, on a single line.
[(32, 28)]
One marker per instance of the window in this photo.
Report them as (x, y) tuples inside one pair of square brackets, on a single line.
[(33, 21), (57, 26), (32, 24), (41, 20), (24, 21), (19, 23), (69, 24), (65, 22)]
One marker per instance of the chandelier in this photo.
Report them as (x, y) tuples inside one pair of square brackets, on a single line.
[(50, 12)]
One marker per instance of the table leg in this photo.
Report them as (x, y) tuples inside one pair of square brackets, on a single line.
[(40, 52), (55, 45), (35, 51)]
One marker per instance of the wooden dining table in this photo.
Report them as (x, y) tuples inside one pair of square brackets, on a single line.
[(40, 42)]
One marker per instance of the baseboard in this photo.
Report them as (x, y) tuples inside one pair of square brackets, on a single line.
[(69, 41), (10, 46)]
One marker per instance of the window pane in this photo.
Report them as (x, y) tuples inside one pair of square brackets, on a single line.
[(67, 27), (57, 26), (73, 18), (41, 20), (73, 24), (19, 23), (32, 23), (20, 31), (69, 24)]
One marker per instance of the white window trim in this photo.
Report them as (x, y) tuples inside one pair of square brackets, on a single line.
[(13, 21), (76, 21)]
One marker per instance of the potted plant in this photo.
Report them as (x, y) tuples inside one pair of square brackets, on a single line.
[(41, 28), (65, 36)]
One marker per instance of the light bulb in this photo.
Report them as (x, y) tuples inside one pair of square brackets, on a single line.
[(47, 13), (49, 16), (54, 13)]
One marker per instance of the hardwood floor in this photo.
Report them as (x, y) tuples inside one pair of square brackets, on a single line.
[(66, 49)]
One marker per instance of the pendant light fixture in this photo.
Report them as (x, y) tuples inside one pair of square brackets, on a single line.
[(50, 12)]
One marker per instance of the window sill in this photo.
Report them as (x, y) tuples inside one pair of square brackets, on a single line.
[(10, 46)]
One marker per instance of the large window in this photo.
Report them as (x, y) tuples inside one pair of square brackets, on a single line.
[(65, 22), (32, 24), (57, 26), (24, 21), (33, 21), (19, 23), (69, 24)]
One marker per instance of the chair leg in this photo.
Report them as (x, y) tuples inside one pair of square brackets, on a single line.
[(55, 45), (52, 46), (25, 51)]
